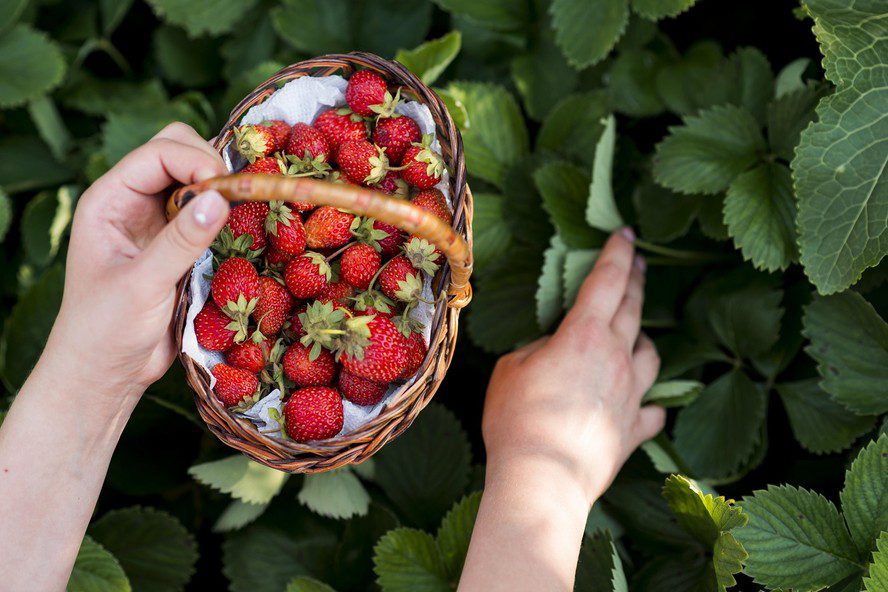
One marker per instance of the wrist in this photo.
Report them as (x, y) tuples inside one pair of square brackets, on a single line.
[(542, 479)]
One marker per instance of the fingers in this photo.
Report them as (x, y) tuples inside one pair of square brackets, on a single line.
[(627, 319), (603, 290), (185, 134), (645, 365), (650, 422), (524, 351), (175, 248)]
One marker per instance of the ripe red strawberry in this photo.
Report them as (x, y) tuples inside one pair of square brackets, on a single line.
[(361, 391), (358, 264), (301, 369), (416, 353), (337, 292), (267, 165), (422, 166), (273, 306), (313, 413), (434, 201), (280, 130), (328, 228), (373, 348), (233, 385), (296, 328), (214, 330), (276, 258), (393, 184), (254, 141), (307, 149), (307, 275), (249, 218), (362, 162), (400, 280), (340, 125), (396, 134), (249, 355), (391, 244), (365, 91), (373, 302), (285, 230), (235, 288)]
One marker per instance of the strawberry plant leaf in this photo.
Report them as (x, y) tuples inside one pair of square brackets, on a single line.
[(707, 152), (790, 78), (127, 129), (10, 11), (455, 532), (157, 553), (5, 214), (26, 164), (498, 15), (564, 188), (250, 45), (30, 65), (600, 567), (660, 9), (45, 221), (354, 555), (407, 560), (98, 97), (573, 126), (865, 495), (818, 423), (601, 209), (96, 570), (492, 234), (673, 393), (711, 218), (849, 342), (550, 286), (186, 61), (877, 580), (696, 80), (788, 115), (754, 80), (210, 17), (542, 76), (306, 584), (577, 265), (50, 126), (746, 320), (430, 59), (796, 539), (240, 477), (336, 494), (237, 515), (525, 214), (662, 215), (587, 30), (632, 83)]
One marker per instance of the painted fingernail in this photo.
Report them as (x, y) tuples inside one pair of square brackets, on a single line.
[(640, 263), (628, 234), (209, 207)]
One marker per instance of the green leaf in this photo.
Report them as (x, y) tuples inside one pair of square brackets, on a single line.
[(851, 36), (708, 152), (525, 214), (157, 553), (573, 126), (697, 80), (673, 393), (564, 188), (849, 342), (820, 424), (306, 584), (720, 430), (5, 214), (660, 9), (745, 318), (456, 531), (662, 215), (601, 209), (211, 17), (599, 567), (789, 79), (408, 560), (577, 265), (632, 83), (877, 581), (788, 115), (50, 125), (711, 218), (240, 477), (113, 12), (336, 494), (250, 45), (237, 515), (494, 136), (760, 216), (260, 559), (754, 80), (97, 96), (124, 131), (437, 451), (96, 570), (492, 236), (587, 30), (499, 15), (45, 221), (542, 77), (796, 539), (429, 60), (10, 11), (550, 285), (184, 60), (30, 65), (865, 495)]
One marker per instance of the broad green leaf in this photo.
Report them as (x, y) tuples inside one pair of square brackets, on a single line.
[(573, 126), (437, 451), (586, 30), (525, 214), (10, 11), (662, 215), (820, 424), (250, 45), (237, 515), (660, 9), (500, 15), (564, 188), (680, 353), (354, 554), (455, 532), (408, 560), (599, 567), (98, 96), (702, 516), (306, 584), (30, 65), (550, 285), (542, 77), (720, 430), (240, 477), (789, 79), (157, 553), (754, 80), (124, 131), (430, 59), (599, 521), (211, 17), (601, 209), (638, 504), (707, 152), (492, 236), (849, 342), (788, 115), (697, 80), (5, 214), (50, 126), (260, 559), (577, 265), (851, 34), (796, 539), (337, 494), (745, 318), (877, 580), (45, 222), (454, 106), (632, 83), (184, 60), (494, 136), (760, 216), (113, 12), (688, 571), (865, 495), (96, 570), (673, 393)]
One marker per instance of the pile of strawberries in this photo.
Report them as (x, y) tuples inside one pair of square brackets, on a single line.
[(317, 302)]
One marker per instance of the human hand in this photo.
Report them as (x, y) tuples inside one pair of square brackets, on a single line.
[(114, 327), (572, 400)]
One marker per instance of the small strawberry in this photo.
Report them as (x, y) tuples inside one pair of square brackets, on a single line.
[(308, 150), (385, 238), (367, 94), (235, 288), (214, 330), (421, 166), (372, 348), (296, 330), (400, 280), (393, 184), (361, 391), (307, 275), (328, 228), (254, 141), (337, 292), (340, 125), (358, 264), (276, 258), (274, 304), (416, 353), (373, 302), (249, 218), (267, 165), (280, 130), (362, 162), (304, 370), (433, 201), (396, 134), (313, 413), (285, 230), (234, 386), (249, 355)]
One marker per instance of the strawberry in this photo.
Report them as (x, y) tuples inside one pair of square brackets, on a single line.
[(226, 246), (249, 355), (313, 413), (307, 275), (337, 292), (421, 166), (296, 328), (273, 306), (372, 348), (233, 385), (249, 218), (307, 149), (214, 330), (367, 94), (280, 130), (276, 258), (362, 162), (400, 280), (254, 141), (361, 391), (373, 302), (320, 325), (416, 353), (304, 370), (340, 125), (385, 238), (358, 264), (433, 201), (267, 165), (235, 288), (396, 134), (328, 228), (393, 184), (285, 230)]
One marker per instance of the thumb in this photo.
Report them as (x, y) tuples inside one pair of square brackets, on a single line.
[(175, 248)]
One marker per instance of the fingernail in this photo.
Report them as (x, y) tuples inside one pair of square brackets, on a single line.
[(628, 234), (640, 263), (209, 207)]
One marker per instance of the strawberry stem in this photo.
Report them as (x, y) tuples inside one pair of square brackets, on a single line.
[(689, 256), (336, 254)]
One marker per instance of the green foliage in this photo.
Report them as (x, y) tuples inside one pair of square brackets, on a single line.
[(96, 570), (429, 60)]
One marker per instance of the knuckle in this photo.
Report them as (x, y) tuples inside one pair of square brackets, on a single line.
[(174, 130)]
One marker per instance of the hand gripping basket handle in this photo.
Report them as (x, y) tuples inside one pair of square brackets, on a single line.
[(361, 201)]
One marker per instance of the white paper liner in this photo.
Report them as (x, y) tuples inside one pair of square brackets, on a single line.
[(301, 101)]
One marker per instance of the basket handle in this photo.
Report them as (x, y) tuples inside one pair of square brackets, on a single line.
[(364, 202)]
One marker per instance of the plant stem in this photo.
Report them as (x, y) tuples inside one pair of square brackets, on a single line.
[(689, 256)]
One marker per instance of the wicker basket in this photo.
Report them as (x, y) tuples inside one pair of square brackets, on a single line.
[(406, 403)]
